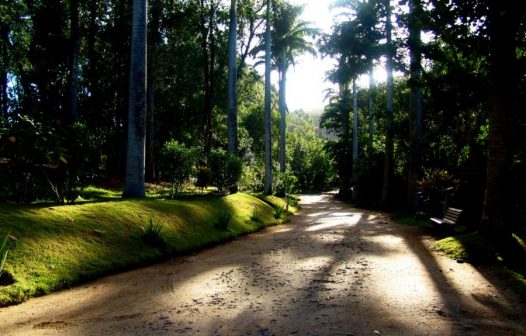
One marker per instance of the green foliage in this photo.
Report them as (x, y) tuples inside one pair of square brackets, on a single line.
[(3, 253), (309, 162), (224, 218), (256, 216), (283, 183), (177, 162), (279, 211), (44, 161), (252, 177), (226, 169), (204, 177), (151, 234)]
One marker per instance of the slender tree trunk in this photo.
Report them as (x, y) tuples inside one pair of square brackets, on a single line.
[(208, 58), (283, 115), (135, 160), (232, 81), (415, 159), (372, 85), (388, 159), (345, 183), (74, 66), (151, 169), (503, 24), (355, 142), (4, 47), (268, 113)]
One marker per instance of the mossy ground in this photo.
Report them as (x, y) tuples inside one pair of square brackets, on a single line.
[(54, 247)]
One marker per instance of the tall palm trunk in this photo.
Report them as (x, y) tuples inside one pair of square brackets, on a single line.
[(208, 46), (503, 23), (232, 81), (134, 180), (355, 140), (389, 146), (415, 159), (152, 77), (345, 177), (74, 65), (372, 85), (268, 143), (4, 43), (283, 114)]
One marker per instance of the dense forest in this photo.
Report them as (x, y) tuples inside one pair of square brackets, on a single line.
[(120, 93)]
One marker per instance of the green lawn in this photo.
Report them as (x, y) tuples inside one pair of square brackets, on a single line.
[(54, 247)]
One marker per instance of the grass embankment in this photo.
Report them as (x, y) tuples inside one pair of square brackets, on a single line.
[(507, 261), (475, 248), (54, 247)]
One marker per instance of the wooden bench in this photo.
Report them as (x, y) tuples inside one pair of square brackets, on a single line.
[(450, 218)]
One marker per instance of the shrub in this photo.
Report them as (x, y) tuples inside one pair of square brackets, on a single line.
[(252, 177), (203, 178), (283, 183), (256, 216), (177, 164), (226, 171), (224, 218), (278, 212), (152, 234)]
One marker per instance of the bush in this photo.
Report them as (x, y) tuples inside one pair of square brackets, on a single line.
[(283, 183), (279, 211), (224, 218), (256, 216), (42, 160), (252, 177), (203, 178), (177, 164), (226, 171), (151, 234)]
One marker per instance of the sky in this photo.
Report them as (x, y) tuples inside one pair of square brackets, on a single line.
[(306, 83)]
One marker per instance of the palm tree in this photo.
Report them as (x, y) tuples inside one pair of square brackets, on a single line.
[(268, 143), (232, 78), (135, 159), (388, 160), (415, 46), (288, 43)]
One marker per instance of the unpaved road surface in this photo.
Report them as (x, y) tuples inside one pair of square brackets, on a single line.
[(333, 270)]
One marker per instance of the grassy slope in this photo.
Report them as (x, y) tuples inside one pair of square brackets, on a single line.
[(58, 246)]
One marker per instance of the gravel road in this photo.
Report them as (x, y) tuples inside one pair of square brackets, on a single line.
[(332, 270)]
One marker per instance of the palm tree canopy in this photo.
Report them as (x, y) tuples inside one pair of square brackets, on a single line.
[(289, 34)]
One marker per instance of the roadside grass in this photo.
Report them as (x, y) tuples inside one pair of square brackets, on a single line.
[(280, 204), (409, 219), (476, 249), (54, 247)]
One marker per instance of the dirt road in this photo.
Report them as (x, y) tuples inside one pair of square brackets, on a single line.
[(333, 270)]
